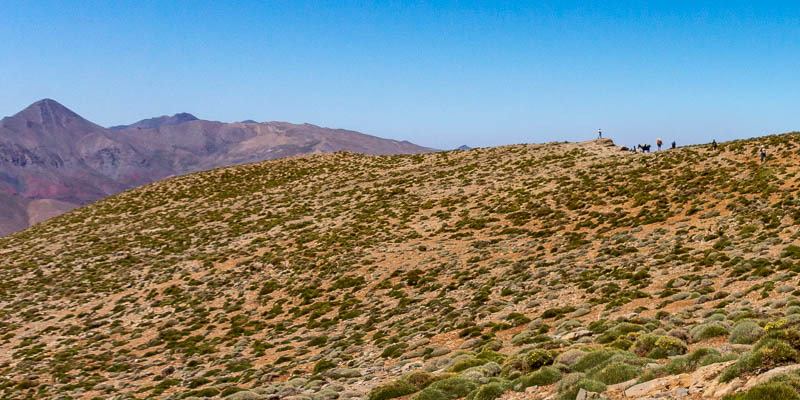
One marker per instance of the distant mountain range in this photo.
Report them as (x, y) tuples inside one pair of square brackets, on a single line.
[(52, 159)]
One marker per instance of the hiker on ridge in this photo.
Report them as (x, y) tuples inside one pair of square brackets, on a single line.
[(599, 133), (763, 154), (714, 144), (673, 145), (658, 143)]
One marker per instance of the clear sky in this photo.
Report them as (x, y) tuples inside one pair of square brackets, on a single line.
[(438, 73)]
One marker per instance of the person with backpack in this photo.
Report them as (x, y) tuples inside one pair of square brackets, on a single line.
[(714, 144), (600, 133), (763, 154), (673, 145), (658, 143)]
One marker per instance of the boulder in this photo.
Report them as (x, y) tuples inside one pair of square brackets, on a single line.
[(339, 372)]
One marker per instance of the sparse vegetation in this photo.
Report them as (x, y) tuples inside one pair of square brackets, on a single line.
[(450, 275)]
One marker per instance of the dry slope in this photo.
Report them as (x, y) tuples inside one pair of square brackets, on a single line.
[(553, 267)]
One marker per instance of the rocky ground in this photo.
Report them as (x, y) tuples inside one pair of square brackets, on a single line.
[(562, 270)]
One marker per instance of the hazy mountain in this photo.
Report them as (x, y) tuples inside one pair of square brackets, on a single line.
[(49, 152), (463, 147), (157, 122)]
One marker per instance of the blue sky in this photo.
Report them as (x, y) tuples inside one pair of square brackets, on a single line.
[(439, 73)]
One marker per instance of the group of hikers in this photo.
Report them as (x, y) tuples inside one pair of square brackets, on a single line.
[(645, 148)]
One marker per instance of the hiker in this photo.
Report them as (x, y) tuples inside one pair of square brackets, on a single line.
[(714, 144), (658, 143), (673, 145), (599, 133), (763, 154)]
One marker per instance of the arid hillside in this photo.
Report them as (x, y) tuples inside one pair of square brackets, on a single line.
[(552, 271)]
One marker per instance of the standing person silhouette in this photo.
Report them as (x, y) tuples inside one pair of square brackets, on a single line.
[(714, 144), (599, 133), (673, 145), (658, 142), (763, 154)]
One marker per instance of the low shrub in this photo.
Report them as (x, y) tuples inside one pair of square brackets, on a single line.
[(490, 355), (421, 379), (431, 394), (616, 372), (767, 354), (539, 358), (654, 346), (594, 359), (746, 332), (768, 391), (621, 329), (466, 364), (489, 391), (776, 352), (394, 350), (323, 365), (543, 377), (708, 331), (698, 358), (392, 390), (453, 388)]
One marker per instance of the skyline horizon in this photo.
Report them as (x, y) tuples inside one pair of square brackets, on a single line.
[(477, 72), (454, 146)]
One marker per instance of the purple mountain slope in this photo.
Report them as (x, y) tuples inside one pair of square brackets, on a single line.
[(52, 159)]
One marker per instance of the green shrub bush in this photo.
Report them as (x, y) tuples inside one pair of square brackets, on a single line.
[(323, 365), (708, 331), (768, 391), (421, 379), (616, 372), (621, 329), (539, 358), (392, 390), (489, 391), (466, 364), (431, 394), (767, 354), (592, 360), (490, 355), (543, 377), (698, 358), (453, 388), (776, 352), (746, 332), (654, 346)]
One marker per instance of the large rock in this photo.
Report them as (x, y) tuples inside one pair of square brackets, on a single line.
[(701, 381), (336, 373), (577, 334)]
